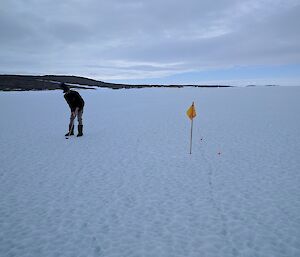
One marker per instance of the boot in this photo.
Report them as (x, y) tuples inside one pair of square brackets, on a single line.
[(80, 127), (71, 131)]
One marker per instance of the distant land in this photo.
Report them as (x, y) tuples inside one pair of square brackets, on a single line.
[(52, 82)]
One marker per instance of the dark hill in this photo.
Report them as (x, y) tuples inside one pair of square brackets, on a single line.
[(51, 82), (48, 82)]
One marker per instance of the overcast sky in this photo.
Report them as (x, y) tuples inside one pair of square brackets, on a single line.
[(154, 41)]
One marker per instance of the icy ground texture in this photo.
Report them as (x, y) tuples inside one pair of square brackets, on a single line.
[(129, 186)]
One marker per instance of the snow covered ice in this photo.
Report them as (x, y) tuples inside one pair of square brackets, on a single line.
[(129, 186)]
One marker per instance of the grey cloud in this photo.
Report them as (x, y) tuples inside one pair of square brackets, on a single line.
[(96, 37)]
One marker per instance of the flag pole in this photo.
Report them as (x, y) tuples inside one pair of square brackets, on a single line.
[(191, 113), (191, 136)]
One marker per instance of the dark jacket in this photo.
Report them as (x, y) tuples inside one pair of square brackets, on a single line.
[(74, 100)]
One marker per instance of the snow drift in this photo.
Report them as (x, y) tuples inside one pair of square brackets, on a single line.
[(129, 187)]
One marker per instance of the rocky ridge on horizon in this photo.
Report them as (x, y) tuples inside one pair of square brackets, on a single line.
[(52, 82)]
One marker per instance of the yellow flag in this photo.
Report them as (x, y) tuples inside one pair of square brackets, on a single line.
[(191, 112)]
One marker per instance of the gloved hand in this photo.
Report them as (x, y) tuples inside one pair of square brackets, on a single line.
[(75, 112)]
